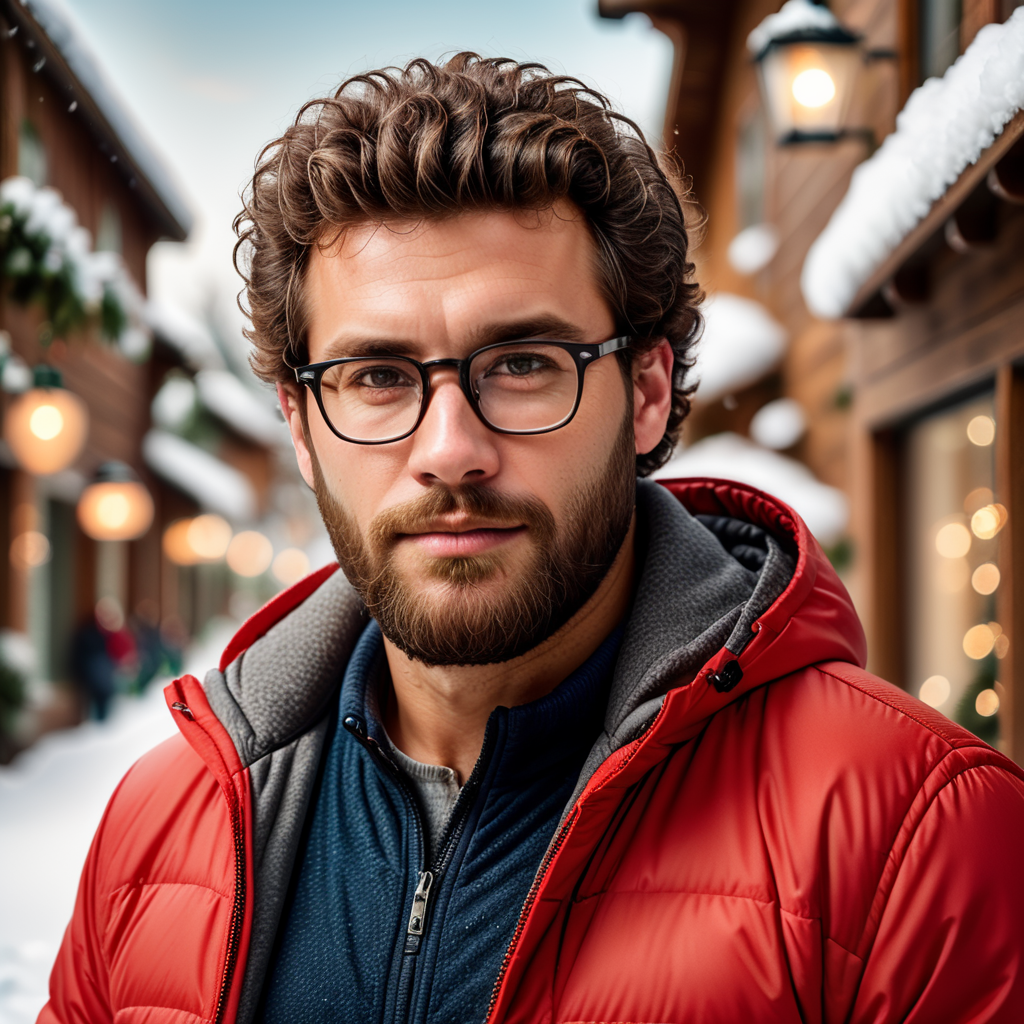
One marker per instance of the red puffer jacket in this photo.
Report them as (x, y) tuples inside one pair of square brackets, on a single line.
[(821, 849)]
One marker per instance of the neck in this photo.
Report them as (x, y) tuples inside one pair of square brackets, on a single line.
[(437, 714)]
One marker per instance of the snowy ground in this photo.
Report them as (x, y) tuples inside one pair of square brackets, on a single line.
[(51, 800)]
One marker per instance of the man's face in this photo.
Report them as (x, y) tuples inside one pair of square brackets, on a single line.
[(470, 546)]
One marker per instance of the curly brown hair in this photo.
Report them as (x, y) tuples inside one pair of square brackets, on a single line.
[(472, 133)]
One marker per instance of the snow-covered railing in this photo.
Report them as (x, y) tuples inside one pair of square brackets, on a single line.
[(945, 127)]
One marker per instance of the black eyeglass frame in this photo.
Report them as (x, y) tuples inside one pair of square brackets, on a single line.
[(583, 355)]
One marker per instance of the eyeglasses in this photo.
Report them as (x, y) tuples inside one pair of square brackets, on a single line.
[(530, 386)]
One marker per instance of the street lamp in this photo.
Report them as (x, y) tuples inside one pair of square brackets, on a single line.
[(116, 506), (46, 426), (808, 63)]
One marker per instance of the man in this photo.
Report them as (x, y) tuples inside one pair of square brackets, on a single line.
[(557, 744)]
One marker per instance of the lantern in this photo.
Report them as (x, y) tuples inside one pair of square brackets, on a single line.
[(808, 64), (116, 506), (46, 427)]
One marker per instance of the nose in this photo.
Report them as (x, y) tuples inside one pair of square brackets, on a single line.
[(452, 446)]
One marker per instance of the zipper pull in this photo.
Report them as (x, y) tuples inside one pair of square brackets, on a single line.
[(418, 916)]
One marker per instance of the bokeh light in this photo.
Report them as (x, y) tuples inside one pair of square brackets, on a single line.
[(249, 553), (30, 550), (979, 641), (209, 536), (934, 691), (290, 566), (988, 521), (981, 431), (986, 703), (985, 579), (953, 540)]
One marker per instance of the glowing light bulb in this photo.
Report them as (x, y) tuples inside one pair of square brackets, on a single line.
[(813, 88), (113, 510), (46, 422)]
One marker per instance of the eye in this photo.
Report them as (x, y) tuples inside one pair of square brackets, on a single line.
[(381, 378), (518, 364)]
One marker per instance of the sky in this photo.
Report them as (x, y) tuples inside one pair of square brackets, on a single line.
[(211, 81)]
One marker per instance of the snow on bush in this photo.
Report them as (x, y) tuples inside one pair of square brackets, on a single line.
[(946, 125), (741, 343), (48, 259), (731, 457)]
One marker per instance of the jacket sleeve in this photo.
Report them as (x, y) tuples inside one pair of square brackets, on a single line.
[(950, 940), (79, 981)]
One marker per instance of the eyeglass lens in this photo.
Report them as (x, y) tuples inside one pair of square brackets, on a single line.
[(520, 386)]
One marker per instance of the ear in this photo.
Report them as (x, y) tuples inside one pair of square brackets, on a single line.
[(652, 395), (289, 395)]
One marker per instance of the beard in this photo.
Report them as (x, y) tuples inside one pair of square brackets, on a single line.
[(460, 622)]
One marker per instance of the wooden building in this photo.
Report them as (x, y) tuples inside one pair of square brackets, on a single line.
[(913, 389), (61, 127)]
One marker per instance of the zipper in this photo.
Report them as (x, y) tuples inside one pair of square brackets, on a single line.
[(531, 896), (237, 914), (418, 915)]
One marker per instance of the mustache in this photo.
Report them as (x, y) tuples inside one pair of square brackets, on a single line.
[(495, 507)]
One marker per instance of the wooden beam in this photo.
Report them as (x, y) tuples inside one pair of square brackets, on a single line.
[(941, 211), (1010, 489), (976, 15), (887, 656)]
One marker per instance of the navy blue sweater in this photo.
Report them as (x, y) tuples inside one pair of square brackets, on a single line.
[(346, 951)]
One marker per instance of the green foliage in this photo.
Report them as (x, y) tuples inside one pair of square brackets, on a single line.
[(840, 554)]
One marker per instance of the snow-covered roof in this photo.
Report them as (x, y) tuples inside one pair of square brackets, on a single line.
[(731, 457), (190, 337), (240, 408), (741, 343), (66, 34), (796, 19), (946, 125), (217, 486)]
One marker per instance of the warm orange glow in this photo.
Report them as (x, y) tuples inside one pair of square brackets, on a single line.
[(209, 536), (953, 540), (988, 521), (813, 88), (46, 429), (1002, 645), (290, 566), (979, 641), (985, 578), (30, 550), (176, 545), (934, 691), (121, 510), (986, 703), (978, 497), (250, 553)]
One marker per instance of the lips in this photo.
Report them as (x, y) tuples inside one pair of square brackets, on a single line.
[(462, 543)]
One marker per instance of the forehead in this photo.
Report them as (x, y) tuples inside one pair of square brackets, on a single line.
[(445, 279)]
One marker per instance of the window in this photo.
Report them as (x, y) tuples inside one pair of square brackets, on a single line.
[(938, 36), (31, 153), (955, 643), (751, 148), (108, 233)]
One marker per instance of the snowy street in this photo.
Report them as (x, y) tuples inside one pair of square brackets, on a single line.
[(51, 800)]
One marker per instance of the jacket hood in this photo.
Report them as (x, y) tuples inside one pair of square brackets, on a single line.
[(732, 592)]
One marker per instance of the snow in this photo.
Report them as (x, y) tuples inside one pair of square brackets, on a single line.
[(51, 800), (173, 404), (66, 34), (945, 126), (753, 248), (217, 486), (731, 457), (795, 16), (741, 343), (241, 408), (779, 424), (69, 244), (189, 337)]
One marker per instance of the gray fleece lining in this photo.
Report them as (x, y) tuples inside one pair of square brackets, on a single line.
[(692, 597)]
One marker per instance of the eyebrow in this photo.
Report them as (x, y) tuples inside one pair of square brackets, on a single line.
[(545, 325)]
